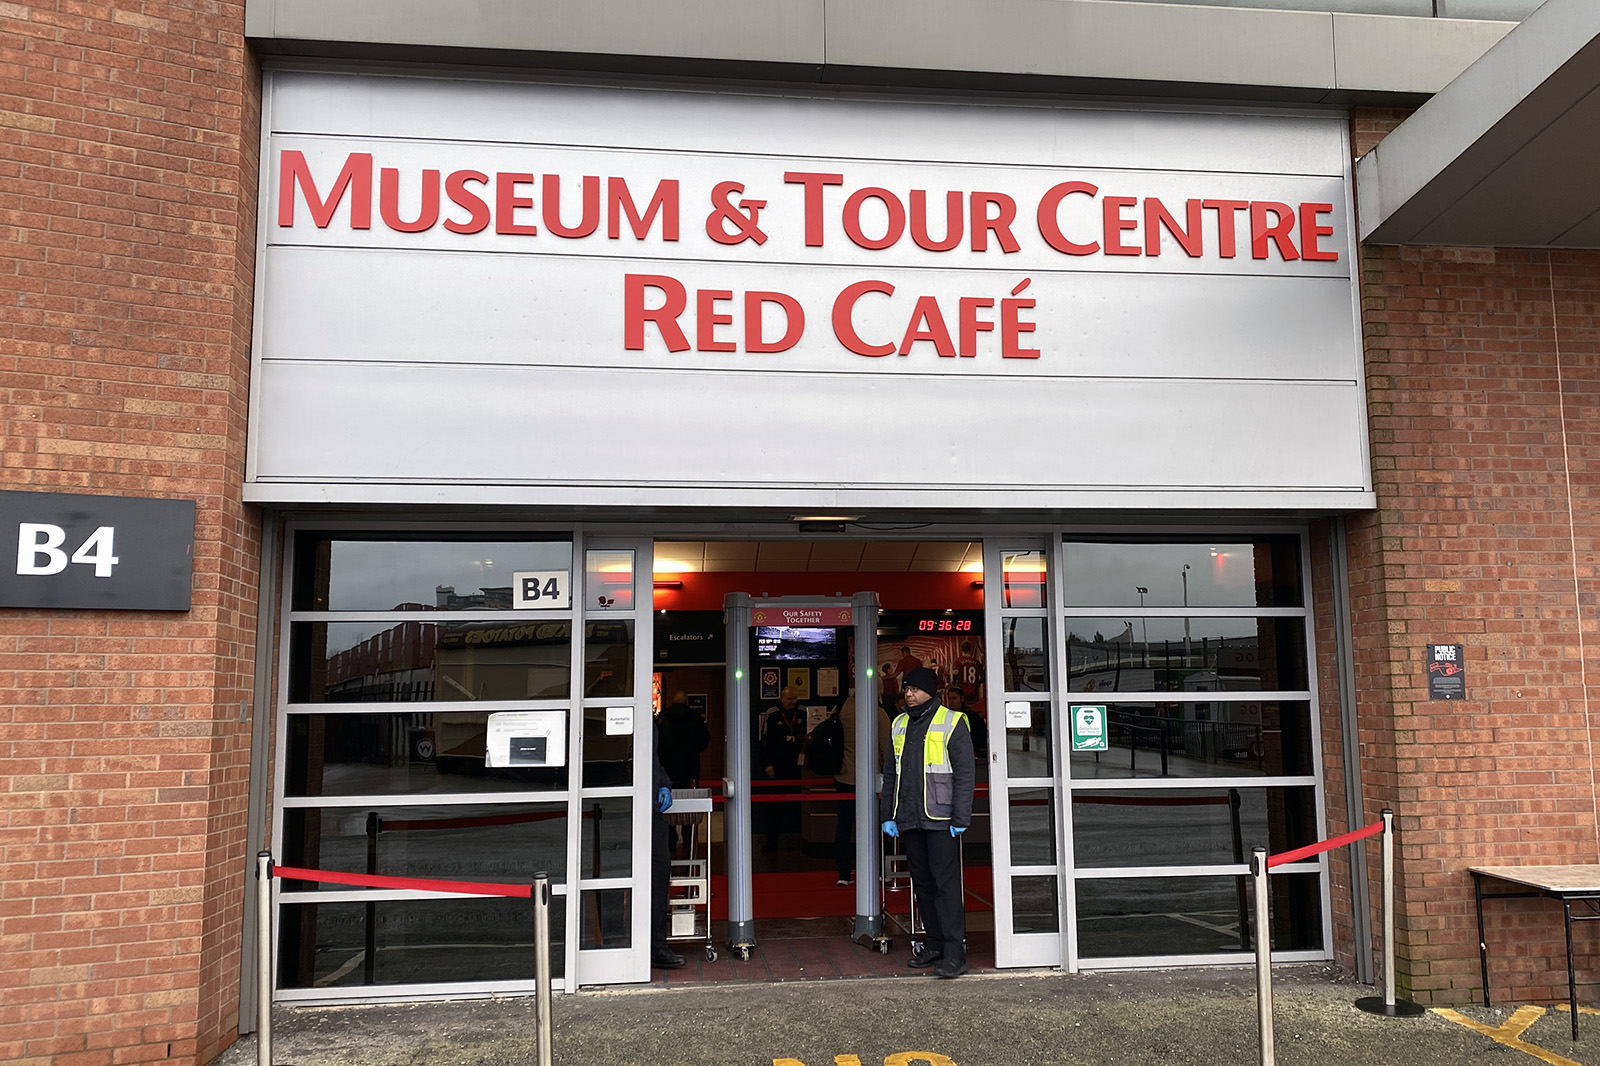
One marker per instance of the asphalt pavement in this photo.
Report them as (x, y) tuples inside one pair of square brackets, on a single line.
[(1170, 1017)]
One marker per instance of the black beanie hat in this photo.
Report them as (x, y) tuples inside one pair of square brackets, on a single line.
[(923, 678)]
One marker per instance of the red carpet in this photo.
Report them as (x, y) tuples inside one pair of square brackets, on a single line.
[(812, 894)]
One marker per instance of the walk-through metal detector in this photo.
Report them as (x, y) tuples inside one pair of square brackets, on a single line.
[(741, 611)]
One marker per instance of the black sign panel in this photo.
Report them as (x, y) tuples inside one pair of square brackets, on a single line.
[(689, 637), (98, 552), (1447, 672)]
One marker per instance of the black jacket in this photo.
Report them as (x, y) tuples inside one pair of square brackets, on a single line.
[(910, 813), (683, 737)]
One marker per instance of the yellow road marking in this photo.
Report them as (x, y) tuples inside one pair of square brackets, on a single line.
[(1511, 1032)]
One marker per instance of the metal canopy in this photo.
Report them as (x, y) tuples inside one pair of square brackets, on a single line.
[(1504, 155)]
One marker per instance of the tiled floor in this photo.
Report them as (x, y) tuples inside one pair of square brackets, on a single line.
[(817, 949)]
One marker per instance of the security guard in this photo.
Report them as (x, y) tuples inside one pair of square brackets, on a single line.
[(927, 795)]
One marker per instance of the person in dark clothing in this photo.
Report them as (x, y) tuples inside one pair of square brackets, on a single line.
[(662, 957), (683, 737), (928, 779), (781, 748)]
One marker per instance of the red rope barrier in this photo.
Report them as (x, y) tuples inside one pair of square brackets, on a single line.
[(1326, 845), (466, 888)]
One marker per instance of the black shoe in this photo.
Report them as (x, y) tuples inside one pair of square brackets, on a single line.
[(951, 967), (923, 958), (666, 959)]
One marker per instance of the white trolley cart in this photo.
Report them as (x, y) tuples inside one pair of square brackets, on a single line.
[(689, 888)]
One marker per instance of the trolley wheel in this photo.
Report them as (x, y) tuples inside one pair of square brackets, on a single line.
[(742, 951), (711, 953), (883, 946)]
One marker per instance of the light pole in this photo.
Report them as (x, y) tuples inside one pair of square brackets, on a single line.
[(1144, 623), (1184, 573)]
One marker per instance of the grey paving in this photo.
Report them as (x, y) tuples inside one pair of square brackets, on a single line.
[(1172, 1018)]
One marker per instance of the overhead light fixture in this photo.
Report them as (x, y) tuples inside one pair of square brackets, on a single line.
[(825, 518), (660, 584), (821, 525)]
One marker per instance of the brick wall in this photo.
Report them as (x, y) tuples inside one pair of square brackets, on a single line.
[(1482, 401), (128, 137)]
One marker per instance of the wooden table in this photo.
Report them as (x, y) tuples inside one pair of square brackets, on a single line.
[(1569, 884)]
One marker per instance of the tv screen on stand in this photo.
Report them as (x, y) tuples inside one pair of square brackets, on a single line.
[(796, 644)]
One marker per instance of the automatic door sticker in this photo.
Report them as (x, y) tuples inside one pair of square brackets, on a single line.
[(1088, 728)]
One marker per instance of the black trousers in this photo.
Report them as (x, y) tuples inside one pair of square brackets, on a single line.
[(844, 852), (935, 860), (660, 878)]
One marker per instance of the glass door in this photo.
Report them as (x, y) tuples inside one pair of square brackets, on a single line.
[(1024, 752), (613, 798)]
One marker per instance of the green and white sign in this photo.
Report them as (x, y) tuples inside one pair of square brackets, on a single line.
[(1088, 728)]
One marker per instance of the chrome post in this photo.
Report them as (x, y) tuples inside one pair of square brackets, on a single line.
[(541, 964), (264, 958), (1258, 870)]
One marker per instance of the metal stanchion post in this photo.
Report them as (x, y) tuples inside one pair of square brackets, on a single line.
[(541, 963), (1388, 1005), (1258, 870), (264, 958)]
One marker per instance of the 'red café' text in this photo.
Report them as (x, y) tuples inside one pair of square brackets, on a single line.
[(872, 218)]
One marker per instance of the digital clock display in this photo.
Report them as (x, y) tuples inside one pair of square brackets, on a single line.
[(944, 625)]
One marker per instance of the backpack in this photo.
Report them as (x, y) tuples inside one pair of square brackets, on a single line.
[(825, 748)]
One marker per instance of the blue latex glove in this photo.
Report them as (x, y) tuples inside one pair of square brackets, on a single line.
[(890, 829), (957, 830), (663, 798)]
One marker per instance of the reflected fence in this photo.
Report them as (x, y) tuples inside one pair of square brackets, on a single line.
[(1212, 741)]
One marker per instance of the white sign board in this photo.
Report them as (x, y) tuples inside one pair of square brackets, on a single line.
[(542, 590), (1019, 714), (480, 283), (526, 738), (619, 721)]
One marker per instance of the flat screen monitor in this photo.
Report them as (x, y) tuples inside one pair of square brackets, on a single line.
[(797, 643)]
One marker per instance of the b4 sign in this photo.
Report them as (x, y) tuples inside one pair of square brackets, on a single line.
[(108, 552)]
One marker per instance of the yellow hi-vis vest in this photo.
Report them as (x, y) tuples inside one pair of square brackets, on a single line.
[(938, 776)]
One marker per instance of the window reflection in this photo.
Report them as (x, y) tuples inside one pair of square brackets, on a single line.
[(1264, 572), (425, 941), (342, 572), (609, 580), (1203, 739), (1189, 827), (1186, 654), (462, 842), (1027, 667), (608, 659), (401, 754), (406, 662), (1133, 917), (1024, 578)]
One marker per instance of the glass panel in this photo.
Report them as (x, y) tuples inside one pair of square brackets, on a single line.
[(608, 659), (339, 572), (1029, 751), (401, 754), (1024, 579), (607, 760), (501, 844), (402, 662), (1186, 654), (609, 580), (1035, 905), (1202, 739), (607, 837), (1027, 667), (1189, 827), (430, 941), (1207, 573), (607, 919), (1142, 916), (1033, 826)]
